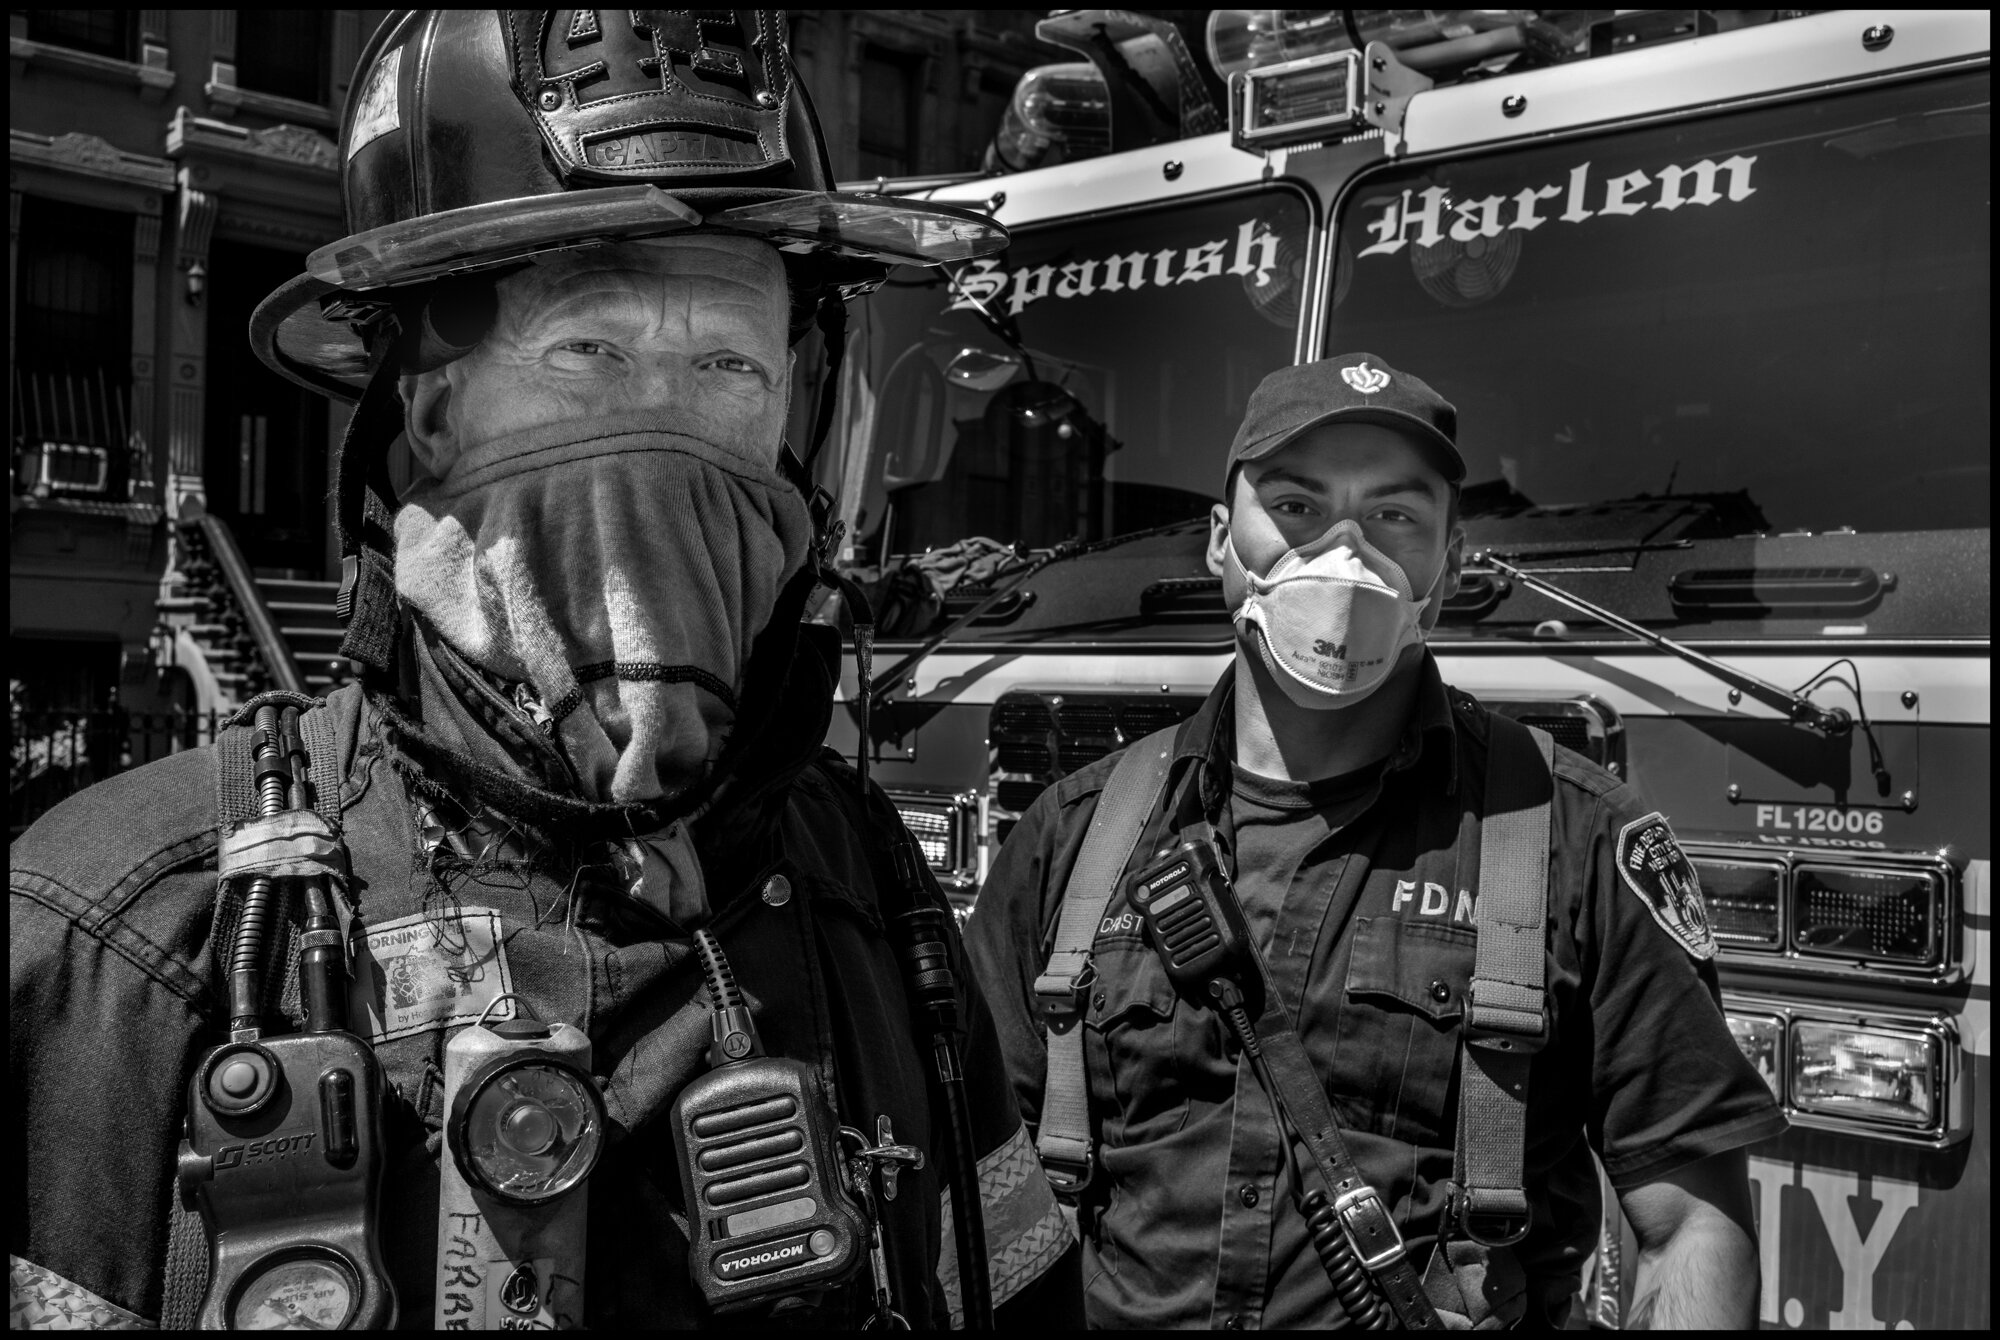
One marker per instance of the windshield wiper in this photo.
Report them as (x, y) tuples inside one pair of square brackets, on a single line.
[(1831, 721), (1004, 327), (1009, 334), (1600, 548), (879, 687)]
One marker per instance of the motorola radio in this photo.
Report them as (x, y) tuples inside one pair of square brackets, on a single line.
[(769, 1212), (1190, 913)]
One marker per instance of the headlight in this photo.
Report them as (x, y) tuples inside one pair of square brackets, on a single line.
[(1758, 1037), (1870, 913), (1868, 1074), (1743, 899), (943, 827), (932, 830), (1880, 1074)]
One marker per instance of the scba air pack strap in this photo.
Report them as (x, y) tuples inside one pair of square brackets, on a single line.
[(1505, 1026)]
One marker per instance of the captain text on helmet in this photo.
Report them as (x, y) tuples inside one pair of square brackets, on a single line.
[(1372, 970), (587, 732)]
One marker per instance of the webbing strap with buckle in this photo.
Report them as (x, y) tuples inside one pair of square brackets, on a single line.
[(1132, 791), (1371, 1230), (1506, 1010)]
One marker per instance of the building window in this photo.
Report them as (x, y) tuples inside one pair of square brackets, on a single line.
[(283, 52), (888, 113), (252, 452), (71, 379), (103, 32)]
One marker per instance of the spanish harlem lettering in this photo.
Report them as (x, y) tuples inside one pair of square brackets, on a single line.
[(1253, 254), (1429, 216)]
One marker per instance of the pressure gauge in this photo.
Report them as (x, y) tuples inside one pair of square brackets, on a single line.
[(315, 1292)]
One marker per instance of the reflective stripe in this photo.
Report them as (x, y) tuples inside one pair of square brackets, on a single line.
[(38, 1299), (1025, 1230)]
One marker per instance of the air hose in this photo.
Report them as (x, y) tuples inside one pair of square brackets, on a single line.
[(248, 946)]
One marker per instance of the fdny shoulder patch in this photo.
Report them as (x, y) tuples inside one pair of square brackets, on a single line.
[(1652, 864)]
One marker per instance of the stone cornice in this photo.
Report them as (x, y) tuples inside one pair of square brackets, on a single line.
[(89, 156), (229, 99), (295, 148), (151, 80)]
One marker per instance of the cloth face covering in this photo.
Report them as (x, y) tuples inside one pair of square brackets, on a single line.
[(621, 569), (1331, 618)]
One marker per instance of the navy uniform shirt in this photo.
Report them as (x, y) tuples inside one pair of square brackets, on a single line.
[(1364, 915)]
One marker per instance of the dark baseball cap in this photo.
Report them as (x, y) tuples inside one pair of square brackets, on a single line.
[(1348, 388)]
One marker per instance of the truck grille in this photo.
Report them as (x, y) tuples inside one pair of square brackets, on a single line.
[(1584, 723), (1038, 738)]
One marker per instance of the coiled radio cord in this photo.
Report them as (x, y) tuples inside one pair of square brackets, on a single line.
[(1352, 1287)]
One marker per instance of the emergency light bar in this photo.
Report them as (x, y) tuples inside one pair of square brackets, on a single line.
[(1321, 97), (1315, 98), (1065, 105), (1885, 1075)]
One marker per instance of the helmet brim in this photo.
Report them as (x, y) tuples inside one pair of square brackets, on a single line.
[(324, 351)]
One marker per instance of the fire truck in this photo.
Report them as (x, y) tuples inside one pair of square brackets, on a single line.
[(1710, 292)]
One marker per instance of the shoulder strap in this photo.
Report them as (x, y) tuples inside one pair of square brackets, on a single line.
[(1358, 1209), (187, 1264), (1506, 1020), (235, 767), (1132, 793)]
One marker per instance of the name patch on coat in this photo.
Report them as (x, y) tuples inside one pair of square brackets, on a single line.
[(420, 973), (1651, 862)]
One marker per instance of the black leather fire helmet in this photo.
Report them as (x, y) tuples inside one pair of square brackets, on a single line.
[(475, 139)]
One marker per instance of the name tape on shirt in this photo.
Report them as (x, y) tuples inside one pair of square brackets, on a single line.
[(1651, 862), (423, 972)]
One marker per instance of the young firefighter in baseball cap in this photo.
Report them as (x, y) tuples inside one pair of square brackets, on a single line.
[(586, 737), (1367, 967)]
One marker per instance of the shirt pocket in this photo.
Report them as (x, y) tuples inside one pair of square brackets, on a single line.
[(1131, 1047), (1397, 1047)]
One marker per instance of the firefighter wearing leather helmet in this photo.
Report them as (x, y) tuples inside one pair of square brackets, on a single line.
[(581, 247)]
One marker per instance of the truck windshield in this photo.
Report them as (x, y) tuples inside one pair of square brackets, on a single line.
[(1096, 392), (1780, 313)]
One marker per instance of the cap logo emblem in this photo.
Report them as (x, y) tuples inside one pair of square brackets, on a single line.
[(1364, 379), (652, 93)]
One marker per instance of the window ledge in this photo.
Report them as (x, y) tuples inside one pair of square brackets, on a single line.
[(151, 81), (229, 99)]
